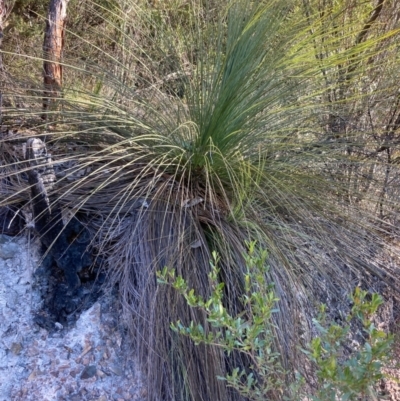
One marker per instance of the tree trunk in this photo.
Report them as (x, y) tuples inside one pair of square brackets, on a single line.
[(53, 46)]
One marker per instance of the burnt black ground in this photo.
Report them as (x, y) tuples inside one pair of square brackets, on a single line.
[(65, 254), (68, 255), (61, 304)]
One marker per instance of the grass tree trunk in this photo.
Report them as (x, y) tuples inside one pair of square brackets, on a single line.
[(52, 50)]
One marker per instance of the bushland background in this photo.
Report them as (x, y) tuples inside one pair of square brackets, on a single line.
[(179, 128)]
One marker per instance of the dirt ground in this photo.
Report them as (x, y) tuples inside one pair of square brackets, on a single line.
[(87, 361)]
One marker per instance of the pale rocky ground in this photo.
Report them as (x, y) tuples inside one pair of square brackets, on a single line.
[(85, 362)]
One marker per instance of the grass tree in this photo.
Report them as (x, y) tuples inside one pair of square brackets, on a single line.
[(208, 126)]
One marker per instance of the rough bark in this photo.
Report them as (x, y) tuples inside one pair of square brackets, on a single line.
[(53, 47)]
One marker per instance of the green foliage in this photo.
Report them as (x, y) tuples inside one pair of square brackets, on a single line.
[(347, 377), (341, 374), (250, 332), (24, 21)]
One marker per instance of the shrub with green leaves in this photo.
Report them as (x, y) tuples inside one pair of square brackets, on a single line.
[(341, 371), (349, 377), (250, 332)]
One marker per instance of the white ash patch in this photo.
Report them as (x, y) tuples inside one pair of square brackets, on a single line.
[(86, 362)]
